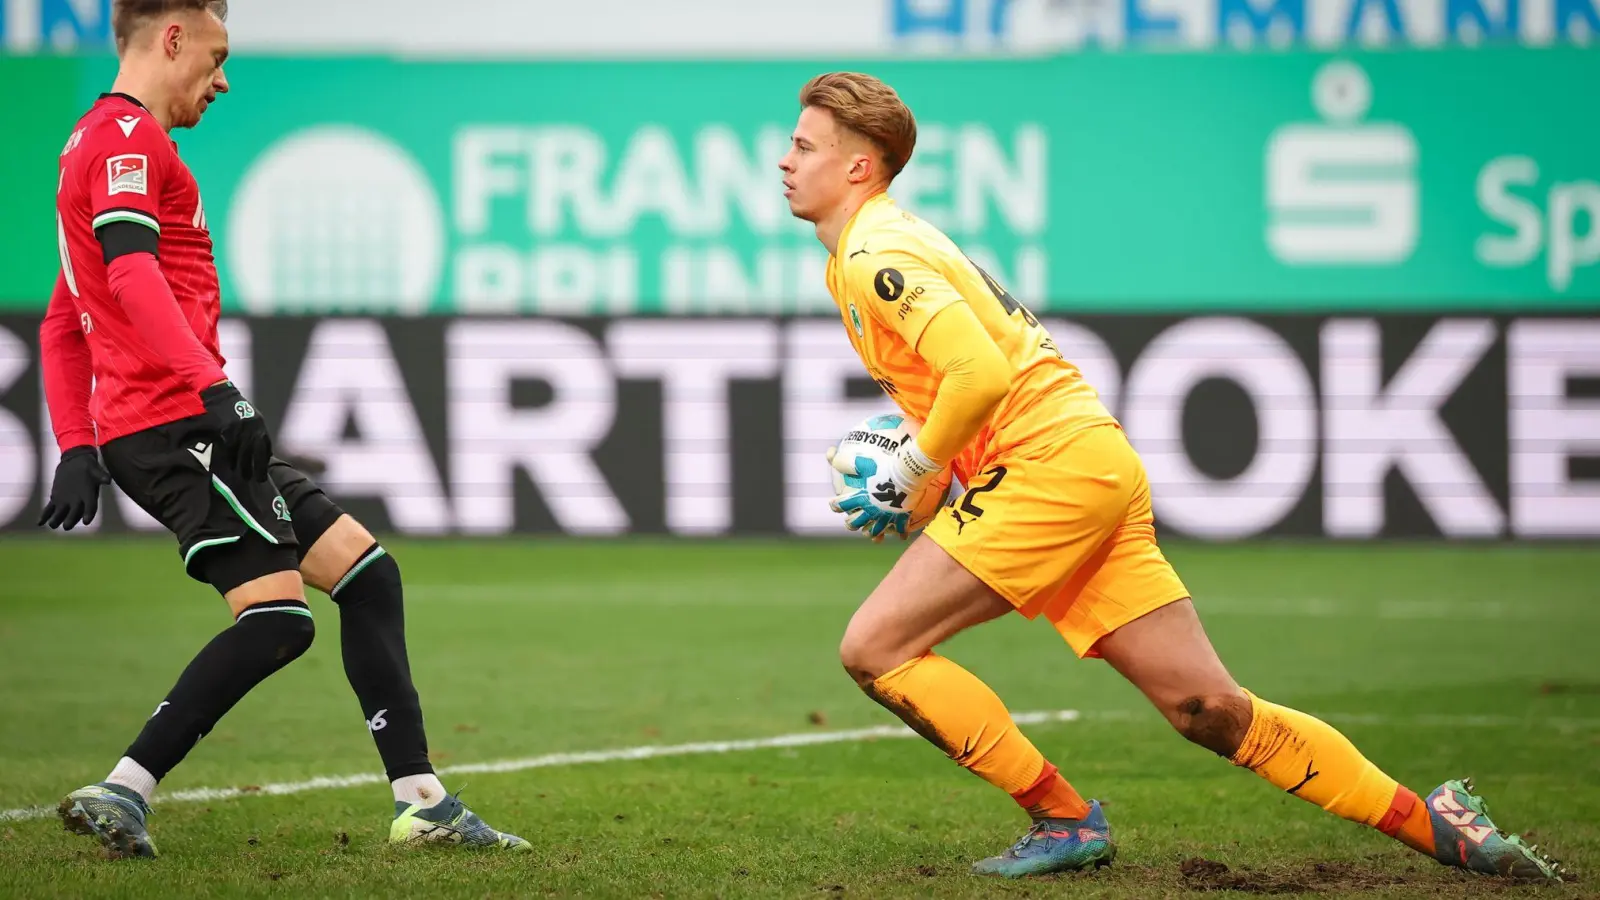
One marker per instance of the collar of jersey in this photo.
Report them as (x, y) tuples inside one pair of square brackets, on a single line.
[(128, 97), (844, 235)]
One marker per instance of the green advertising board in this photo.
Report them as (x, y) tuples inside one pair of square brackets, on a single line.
[(1186, 182), (38, 122)]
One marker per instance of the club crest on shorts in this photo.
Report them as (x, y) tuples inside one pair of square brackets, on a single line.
[(855, 320), (280, 509), (244, 410)]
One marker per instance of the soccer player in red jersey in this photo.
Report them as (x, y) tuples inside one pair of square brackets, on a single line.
[(138, 396)]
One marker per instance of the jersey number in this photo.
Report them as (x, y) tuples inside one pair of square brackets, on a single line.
[(1007, 302), (969, 499), (66, 258)]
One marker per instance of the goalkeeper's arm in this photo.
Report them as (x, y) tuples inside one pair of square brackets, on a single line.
[(975, 377)]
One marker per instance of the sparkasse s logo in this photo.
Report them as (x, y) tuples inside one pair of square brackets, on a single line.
[(1342, 192)]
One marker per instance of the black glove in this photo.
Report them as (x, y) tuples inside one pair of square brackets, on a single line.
[(75, 494), (245, 441)]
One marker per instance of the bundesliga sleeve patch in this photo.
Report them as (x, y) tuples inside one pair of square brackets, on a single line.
[(127, 174)]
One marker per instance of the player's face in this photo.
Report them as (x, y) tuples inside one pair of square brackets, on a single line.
[(197, 68), (817, 169)]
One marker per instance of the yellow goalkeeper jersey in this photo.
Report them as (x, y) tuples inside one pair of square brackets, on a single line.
[(893, 273)]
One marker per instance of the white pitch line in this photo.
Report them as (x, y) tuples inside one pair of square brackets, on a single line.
[(621, 754), (799, 739)]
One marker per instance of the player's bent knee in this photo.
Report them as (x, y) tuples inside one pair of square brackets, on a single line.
[(379, 576), (1217, 722), (293, 629), (337, 549), (866, 657)]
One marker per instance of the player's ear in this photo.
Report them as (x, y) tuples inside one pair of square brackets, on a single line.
[(861, 168), (172, 38)]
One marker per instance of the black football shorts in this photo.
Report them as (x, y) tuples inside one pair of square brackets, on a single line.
[(313, 512), (230, 531)]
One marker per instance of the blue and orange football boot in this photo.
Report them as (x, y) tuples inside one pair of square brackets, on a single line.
[(1056, 845), (1464, 837)]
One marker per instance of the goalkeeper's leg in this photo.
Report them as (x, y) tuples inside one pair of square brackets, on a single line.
[(888, 650), (1167, 655)]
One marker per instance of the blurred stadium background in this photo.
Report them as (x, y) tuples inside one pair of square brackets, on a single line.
[(524, 267), (512, 270)]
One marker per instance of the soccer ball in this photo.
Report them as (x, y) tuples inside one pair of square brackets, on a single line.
[(878, 439)]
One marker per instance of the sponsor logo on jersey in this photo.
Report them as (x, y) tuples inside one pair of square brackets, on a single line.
[(127, 174), (889, 284), (907, 299)]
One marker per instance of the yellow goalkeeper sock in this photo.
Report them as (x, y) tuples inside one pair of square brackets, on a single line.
[(960, 715), (1309, 758)]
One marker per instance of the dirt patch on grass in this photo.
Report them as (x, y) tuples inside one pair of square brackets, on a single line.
[(1331, 877), (1570, 687), (1200, 874)]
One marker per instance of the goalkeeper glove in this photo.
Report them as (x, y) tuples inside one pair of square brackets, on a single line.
[(878, 501), (245, 441), (75, 493)]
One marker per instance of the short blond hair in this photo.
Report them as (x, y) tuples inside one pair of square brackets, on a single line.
[(870, 108)]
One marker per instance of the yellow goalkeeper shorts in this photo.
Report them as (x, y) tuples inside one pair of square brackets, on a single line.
[(1062, 529)]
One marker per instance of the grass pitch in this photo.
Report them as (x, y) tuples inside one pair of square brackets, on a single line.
[(1438, 661)]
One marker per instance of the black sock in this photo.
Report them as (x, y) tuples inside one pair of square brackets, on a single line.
[(372, 635), (265, 638)]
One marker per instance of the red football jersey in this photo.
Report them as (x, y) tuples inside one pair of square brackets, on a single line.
[(121, 165)]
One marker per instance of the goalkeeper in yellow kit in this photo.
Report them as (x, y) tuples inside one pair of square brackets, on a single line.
[(1056, 522)]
